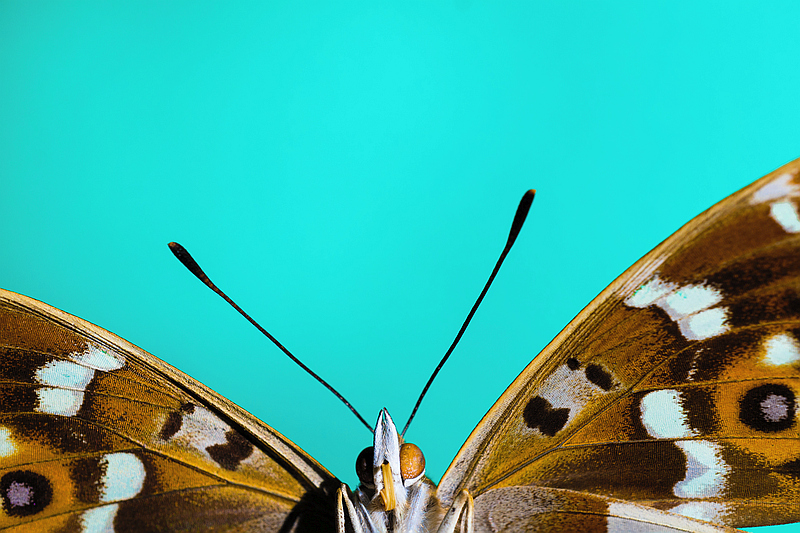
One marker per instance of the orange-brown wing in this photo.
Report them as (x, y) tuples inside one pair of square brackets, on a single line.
[(536, 509), (97, 434), (678, 386)]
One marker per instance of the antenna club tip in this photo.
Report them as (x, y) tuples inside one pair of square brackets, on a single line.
[(525, 203), (177, 250)]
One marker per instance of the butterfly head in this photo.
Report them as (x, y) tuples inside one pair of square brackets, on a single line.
[(389, 467)]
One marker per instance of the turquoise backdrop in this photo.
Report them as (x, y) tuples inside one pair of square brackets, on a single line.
[(348, 171)]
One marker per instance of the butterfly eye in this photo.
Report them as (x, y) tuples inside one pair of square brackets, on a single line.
[(364, 467), (412, 462)]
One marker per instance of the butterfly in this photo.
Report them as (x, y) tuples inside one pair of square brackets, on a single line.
[(668, 404)]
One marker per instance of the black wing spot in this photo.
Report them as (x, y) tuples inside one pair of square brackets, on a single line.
[(171, 426), (599, 376), (233, 452), (539, 414), (573, 363), (174, 421), (768, 408), (25, 493)]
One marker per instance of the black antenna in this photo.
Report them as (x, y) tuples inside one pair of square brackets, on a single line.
[(189, 262), (516, 226)]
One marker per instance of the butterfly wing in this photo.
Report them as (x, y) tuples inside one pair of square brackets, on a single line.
[(522, 509), (96, 433), (678, 386)]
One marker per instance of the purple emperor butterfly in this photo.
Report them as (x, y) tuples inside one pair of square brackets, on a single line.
[(668, 404)]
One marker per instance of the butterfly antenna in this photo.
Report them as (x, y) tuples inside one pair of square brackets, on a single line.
[(189, 262), (516, 226)]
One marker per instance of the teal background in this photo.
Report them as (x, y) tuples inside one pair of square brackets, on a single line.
[(348, 171)]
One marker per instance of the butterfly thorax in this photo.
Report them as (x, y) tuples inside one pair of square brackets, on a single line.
[(417, 510)]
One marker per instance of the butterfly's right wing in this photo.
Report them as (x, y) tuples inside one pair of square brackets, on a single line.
[(536, 509), (98, 435), (677, 387)]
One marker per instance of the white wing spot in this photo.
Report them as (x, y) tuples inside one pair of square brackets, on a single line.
[(689, 299), (705, 470), (64, 374), (201, 429), (7, 446), (781, 349), (65, 382), (782, 210), (708, 511), (785, 214), (688, 306), (123, 477), (780, 187), (99, 359), (651, 291), (663, 416), (629, 518), (705, 325), (63, 402), (99, 519)]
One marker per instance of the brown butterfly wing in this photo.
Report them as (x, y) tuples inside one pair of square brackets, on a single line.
[(536, 509), (96, 432), (678, 386)]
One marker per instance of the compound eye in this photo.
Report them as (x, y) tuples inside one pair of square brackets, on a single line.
[(412, 461), (364, 467)]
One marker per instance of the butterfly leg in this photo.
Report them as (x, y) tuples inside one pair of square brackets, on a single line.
[(339, 511), (342, 500), (463, 506), (467, 525)]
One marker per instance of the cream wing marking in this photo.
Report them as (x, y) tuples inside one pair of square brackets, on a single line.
[(781, 349), (706, 470), (7, 446), (690, 306), (785, 214), (199, 429), (778, 188), (781, 209), (99, 519), (65, 381), (564, 394), (122, 478), (663, 417), (708, 511), (99, 359)]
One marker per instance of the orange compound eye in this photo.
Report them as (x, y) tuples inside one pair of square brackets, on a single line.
[(412, 462)]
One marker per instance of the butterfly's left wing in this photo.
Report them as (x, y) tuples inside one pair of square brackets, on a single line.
[(98, 435), (677, 387)]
